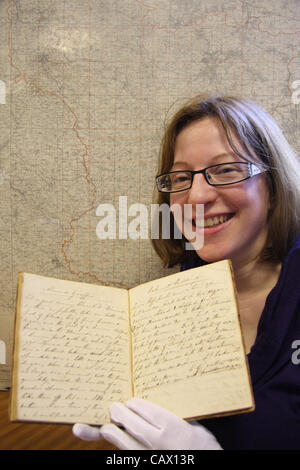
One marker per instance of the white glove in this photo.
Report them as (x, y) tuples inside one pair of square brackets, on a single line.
[(148, 426)]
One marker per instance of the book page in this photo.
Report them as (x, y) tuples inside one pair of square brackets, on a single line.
[(72, 354), (188, 353)]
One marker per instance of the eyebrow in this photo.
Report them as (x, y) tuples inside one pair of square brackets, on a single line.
[(213, 159)]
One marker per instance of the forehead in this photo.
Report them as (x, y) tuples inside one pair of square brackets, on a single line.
[(204, 135)]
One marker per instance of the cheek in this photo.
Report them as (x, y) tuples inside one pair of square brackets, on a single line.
[(259, 198), (253, 214), (177, 198), (253, 196), (178, 202)]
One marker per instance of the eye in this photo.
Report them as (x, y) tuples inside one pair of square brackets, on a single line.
[(180, 178), (227, 169), (224, 169)]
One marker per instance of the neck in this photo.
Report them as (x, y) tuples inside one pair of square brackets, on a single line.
[(254, 280), (254, 276)]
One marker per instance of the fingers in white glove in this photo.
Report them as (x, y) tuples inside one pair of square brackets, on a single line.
[(110, 433), (148, 426), (121, 439), (158, 428), (134, 424), (157, 416), (86, 433), (205, 437)]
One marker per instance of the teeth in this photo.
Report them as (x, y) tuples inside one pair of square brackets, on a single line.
[(210, 222)]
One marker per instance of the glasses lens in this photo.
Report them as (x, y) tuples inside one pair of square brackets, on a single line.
[(176, 181), (228, 173)]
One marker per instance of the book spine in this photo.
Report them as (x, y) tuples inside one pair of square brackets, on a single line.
[(13, 410), (130, 345)]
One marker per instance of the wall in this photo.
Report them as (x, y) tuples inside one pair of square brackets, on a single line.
[(85, 88)]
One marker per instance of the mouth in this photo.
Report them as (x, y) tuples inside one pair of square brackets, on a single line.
[(211, 222)]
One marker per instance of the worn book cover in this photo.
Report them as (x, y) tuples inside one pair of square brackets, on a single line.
[(175, 341)]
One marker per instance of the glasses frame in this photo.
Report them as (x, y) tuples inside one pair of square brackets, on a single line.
[(252, 169)]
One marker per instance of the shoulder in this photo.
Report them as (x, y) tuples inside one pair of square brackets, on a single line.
[(289, 279), (293, 256), (296, 245)]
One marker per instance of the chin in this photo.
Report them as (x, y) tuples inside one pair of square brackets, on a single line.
[(213, 256)]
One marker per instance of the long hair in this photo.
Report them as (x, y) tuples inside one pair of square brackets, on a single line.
[(261, 139)]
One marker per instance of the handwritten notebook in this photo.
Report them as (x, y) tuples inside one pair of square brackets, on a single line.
[(175, 341)]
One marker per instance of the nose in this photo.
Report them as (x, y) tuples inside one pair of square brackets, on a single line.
[(201, 192)]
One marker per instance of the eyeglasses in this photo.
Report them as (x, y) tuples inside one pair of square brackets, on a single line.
[(222, 174)]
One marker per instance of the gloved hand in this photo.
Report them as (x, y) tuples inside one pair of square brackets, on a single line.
[(148, 426)]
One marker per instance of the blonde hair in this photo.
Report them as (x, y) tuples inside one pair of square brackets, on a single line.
[(260, 138)]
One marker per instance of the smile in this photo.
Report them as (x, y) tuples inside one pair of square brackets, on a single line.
[(213, 221), (217, 220)]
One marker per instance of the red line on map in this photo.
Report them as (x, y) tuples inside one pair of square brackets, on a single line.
[(67, 242)]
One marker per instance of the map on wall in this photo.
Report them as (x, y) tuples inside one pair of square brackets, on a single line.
[(85, 87)]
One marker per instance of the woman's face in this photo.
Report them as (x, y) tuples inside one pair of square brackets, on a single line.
[(241, 234)]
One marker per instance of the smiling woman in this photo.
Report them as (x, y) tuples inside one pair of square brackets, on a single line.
[(239, 130), (228, 156), (253, 219)]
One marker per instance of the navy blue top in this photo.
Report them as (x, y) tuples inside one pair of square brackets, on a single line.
[(275, 423)]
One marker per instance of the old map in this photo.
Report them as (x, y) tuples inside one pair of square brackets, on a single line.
[(85, 86)]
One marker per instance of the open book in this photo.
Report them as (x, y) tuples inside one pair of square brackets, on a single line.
[(175, 341)]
